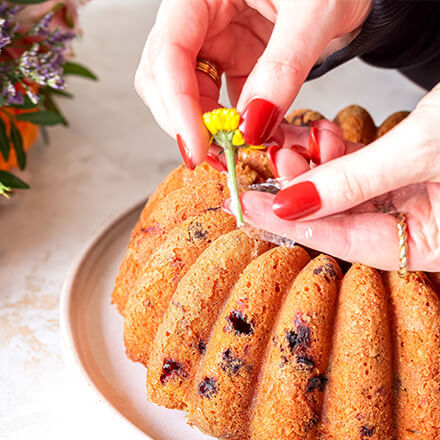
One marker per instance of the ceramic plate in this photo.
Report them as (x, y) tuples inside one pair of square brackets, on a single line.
[(92, 336)]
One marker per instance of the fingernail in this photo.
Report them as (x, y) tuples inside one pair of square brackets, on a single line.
[(213, 160), (315, 151), (226, 205), (184, 152), (259, 118), (297, 201), (271, 154), (302, 151)]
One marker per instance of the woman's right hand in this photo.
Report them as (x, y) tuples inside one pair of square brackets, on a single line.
[(266, 48)]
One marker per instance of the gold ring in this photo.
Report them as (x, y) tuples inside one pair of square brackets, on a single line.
[(210, 69), (402, 232)]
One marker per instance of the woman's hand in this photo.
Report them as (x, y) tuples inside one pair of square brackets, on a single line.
[(334, 207), (266, 48)]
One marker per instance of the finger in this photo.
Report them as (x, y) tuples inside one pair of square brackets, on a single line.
[(286, 163), (235, 85), (209, 92), (321, 142), (287, 134), (299, 146), (144, 85), (283, 67), (171, 51), (390, 162), (368, 238), (215, 159)]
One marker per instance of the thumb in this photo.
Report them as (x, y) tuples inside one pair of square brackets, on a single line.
[(301, 32), (404, 156)]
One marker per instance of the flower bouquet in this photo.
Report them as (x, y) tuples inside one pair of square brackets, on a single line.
[(35, 46)]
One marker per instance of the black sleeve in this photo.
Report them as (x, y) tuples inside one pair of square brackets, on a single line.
[(402, 35)]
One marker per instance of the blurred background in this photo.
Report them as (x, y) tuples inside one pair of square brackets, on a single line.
[(112, 155)]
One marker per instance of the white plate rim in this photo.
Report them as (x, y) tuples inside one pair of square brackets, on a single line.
[(70, 353)]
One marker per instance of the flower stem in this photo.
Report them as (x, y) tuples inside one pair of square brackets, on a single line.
[(230, 154)]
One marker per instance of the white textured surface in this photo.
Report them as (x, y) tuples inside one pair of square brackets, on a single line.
[(112, 154)]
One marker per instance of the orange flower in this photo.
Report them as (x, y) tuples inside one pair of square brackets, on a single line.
[(29, 133)]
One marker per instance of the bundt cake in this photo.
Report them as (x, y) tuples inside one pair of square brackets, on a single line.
[(256, 341)]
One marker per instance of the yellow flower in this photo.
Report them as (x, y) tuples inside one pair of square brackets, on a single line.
[(222, 119), (237, 138), (255, 147)]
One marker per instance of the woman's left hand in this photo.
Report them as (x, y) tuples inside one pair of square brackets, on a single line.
[(334, 207)]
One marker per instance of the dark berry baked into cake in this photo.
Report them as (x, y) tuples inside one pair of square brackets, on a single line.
[(256, 341)]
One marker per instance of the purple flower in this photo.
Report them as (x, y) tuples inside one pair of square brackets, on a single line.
[(8, 11), (5, 38), (58, 37), (45, 68), (41, 28), (11, 95), (17, 99), (8, 27)]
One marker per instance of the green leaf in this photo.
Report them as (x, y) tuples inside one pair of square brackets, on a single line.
[(27, 2), (2, 100), (17, 141), (62, 93), (41, 118), (50, 105), (5, 143), (71, 68), (12, 181)]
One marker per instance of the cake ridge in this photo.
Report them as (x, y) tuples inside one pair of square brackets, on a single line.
[(170, 211), (199, 296), (161, 275), (289, 399), (415, 310), (358, 401)]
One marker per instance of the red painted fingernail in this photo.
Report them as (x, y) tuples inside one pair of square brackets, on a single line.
[(271, 154), (297, 201), (213, 160), (315, 151), (259, 119), (301, 150), (184, 152)]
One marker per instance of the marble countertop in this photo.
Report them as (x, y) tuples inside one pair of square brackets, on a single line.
[(113, 154)]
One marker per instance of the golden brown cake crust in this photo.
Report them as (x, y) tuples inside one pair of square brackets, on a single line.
[(183, 194), (177, 206), (303, 116), (415, 309), (391, 122), (288, 402), (356, 124), (226, 379), (358, 401), (138, 247), (183, 334), (159, 278)]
